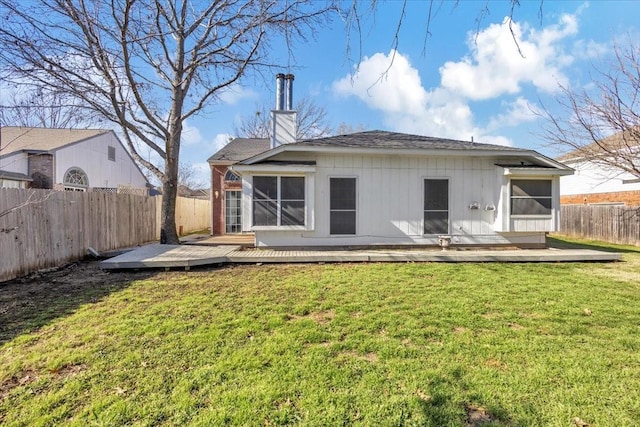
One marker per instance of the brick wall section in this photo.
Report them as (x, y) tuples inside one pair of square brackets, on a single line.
[(218, 187), (42, 166), (629, 198)]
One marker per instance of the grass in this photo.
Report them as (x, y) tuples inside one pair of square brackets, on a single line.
[(343, 344)]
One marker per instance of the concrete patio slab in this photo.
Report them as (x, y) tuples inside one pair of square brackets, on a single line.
[(186, 256)]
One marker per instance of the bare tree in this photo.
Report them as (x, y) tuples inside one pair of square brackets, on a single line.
[(187, 179), (311, 121), (347, 128), (147, 65), (600, 122), (43, 108)]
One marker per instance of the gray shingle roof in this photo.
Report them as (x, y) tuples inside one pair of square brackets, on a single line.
[(383, 139), (15, 138), (16, 176), (241, 149)]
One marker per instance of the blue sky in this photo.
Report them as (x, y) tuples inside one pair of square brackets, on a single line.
[(467, 80)]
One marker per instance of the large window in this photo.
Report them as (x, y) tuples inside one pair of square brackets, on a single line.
[(530, 197), (436, 206), (342, 206), (278, 200)]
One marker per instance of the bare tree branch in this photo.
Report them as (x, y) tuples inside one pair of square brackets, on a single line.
[(147, 65), (601, 124)]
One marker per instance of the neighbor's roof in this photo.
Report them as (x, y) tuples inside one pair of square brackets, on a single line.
[(13, 139), (618, 142), (239, 149), (386, 140)]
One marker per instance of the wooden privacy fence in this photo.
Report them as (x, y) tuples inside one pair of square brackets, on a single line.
[(615, 224), (191, 215), (51, 228)]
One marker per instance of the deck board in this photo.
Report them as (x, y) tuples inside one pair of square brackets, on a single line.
[(186, 256)]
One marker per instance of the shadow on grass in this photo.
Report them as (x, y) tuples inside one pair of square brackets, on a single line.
[(439, 409), (562, 242), (29, 303)]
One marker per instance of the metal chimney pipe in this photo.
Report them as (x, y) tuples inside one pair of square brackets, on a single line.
[(289, 78), (280, 91)]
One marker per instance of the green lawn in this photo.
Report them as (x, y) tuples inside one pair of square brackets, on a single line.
[(322, 345)]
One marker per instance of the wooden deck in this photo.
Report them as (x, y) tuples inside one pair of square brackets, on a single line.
[(187, 256), (169, 256)]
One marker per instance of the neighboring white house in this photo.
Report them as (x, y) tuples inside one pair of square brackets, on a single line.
[(69, 159), (385, 188), (596, 182)]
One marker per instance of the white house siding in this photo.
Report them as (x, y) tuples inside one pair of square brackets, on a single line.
[(590, 178), (390, 202), (91, 156), (17, 162)]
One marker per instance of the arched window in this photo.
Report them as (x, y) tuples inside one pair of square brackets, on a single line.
[(231, 176), (75, 177)]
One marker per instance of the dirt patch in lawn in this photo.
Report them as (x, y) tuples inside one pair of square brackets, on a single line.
[(477, 416), (24, 378), (31, 302)]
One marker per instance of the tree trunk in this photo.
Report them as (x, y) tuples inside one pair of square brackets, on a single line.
[(168, 232)]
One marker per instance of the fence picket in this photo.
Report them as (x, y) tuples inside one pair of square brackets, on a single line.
[(615, 224), (57, 227)]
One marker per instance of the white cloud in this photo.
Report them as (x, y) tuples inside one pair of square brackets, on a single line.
[(589, 49), (236, 93), (385, 82), (517, 112), (190, 135), (220, 141), (389, 83), (495, 67)]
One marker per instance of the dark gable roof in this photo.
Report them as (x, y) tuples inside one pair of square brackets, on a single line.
[(382, 139), (240, 149)]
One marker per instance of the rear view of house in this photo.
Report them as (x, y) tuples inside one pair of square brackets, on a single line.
[(66, 159), (386, 188)]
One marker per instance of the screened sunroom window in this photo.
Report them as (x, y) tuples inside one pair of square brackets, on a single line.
[(531, 197), (278, 200)]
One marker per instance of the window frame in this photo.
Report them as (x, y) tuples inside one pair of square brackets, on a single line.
[(75, 171), (231, 176), (354, 210), (236, 226), (548, 197), (425, 210), (278, 204)]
